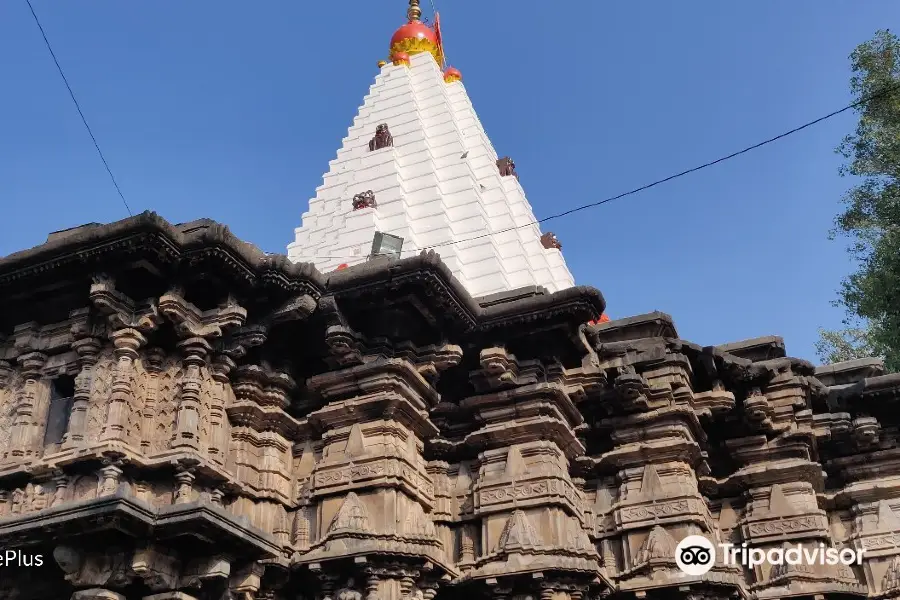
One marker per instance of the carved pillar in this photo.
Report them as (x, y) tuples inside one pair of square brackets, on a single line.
[(609, 557), (127, 341), (27, 424), (429, 589), (61, 481), (88, 350), (110, 475), (373, 580), (301, 529), (153, 363), (187, 430), (218, 442), (467, 545), (142, 491), (407, 580), (185, 491)]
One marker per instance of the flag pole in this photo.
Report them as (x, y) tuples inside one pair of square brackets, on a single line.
[(437, 27)]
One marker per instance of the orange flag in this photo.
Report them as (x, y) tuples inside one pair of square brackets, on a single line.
[(437, 34)]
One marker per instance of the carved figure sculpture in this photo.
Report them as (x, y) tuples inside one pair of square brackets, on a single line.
[(507, 167), (348, 592), (364, 200), (382, 139), (549, 240)]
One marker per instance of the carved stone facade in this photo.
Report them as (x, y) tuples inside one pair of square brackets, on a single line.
[(185, 417)]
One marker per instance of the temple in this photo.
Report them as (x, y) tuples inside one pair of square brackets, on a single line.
[(417, 164), (185, 417)]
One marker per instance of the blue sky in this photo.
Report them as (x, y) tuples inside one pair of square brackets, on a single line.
[(232, 110)]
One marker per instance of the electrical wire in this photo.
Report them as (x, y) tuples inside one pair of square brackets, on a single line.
[(78, 107), (711, 163), (858, 103)]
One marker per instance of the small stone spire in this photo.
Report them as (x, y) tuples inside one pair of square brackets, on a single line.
[(414, 12)]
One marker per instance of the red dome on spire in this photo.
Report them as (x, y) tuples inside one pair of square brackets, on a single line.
[(415, 37), (416, 30), (452, 74)]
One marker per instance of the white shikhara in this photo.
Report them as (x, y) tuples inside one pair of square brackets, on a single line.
[(438, 183)]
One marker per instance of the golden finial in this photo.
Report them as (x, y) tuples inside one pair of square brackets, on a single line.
[(414, 11)]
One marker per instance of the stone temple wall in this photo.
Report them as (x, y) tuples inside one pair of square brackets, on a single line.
[(184, 417)]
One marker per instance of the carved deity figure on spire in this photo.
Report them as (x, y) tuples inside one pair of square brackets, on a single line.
[(507, 167), (364, 200), (549, 240), (382, 139)]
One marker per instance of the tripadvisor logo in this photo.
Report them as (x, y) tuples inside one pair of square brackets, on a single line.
[(695, 555)]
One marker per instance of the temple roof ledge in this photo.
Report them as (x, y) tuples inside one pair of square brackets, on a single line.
[(756, 349), (649, 325), (850, 371)]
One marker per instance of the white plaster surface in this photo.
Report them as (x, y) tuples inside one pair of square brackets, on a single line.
[(425, 191)]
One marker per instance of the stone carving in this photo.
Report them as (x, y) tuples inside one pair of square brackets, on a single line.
[(364, 200), (549, 240), (301, 533), (891, 580), (30, 407), (350, 516), (100, 391), (778, 502), (658, 545), (349, 592), (390, 428), (158, 569), (866, 431), (887, 518), (191, 322), (518, 533), (515, 465), (466, 545), (758, 409), (9, 381), (417, 522), (122, 311), (122, 404), (356, 442), (162, 420), (507, 167), (85, 569), (382, 139), (577, 538)]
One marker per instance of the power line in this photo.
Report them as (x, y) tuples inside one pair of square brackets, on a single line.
[(851, 106), (77, 107), (856, 104)]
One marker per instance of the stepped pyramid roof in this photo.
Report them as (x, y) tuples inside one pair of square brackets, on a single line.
[(417, 164)]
